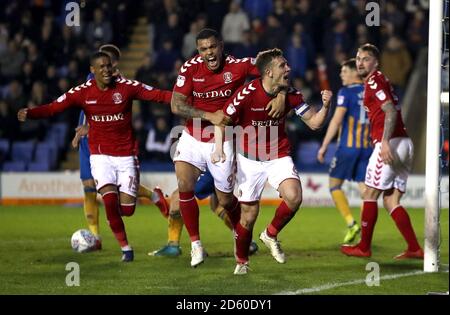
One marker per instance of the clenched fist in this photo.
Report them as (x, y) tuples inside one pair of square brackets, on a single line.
[(22, 114), (326, 97)]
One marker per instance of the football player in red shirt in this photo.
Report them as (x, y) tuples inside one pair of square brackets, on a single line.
[(390, 162), (107, 103), (263, 153), (209, 78)]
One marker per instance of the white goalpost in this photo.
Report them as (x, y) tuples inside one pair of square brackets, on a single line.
[(432, 167)]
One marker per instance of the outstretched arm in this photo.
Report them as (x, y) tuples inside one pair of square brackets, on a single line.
[(332, 130), (315, 120)]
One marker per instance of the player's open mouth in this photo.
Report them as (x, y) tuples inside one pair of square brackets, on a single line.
[(212, 62), (107, 77)]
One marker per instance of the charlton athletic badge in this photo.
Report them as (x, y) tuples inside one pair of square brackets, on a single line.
[(117, 98), (227, 77)]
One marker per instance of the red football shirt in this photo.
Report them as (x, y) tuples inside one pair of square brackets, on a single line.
[(108, 112), (210, 90), (377, 91), (261, 137)]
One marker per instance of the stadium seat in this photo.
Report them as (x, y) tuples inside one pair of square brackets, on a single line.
[(22, 151), (14, 166), (58, 134), (41, 166), (46, 152), (4, 149), (307, 157)]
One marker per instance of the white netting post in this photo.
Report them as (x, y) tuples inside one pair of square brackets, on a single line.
[(431, 261)]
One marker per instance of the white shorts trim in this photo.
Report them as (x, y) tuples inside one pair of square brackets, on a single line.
[(383, 176)]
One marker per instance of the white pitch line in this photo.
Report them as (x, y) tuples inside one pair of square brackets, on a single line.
[(332, 285)]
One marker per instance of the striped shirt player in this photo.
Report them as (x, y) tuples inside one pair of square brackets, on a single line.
[(354, 145)]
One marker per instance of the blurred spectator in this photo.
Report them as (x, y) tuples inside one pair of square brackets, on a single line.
[(274, 35), (234, 25), (11, 62), (297, 56), (396, 64), (9, 125), (15, 98), (258, 9), (246, 48), (216, 9), (169, 31), (166, 56), (4, 35), (189, 44), (159, 141), (417, 32), (98, 31)]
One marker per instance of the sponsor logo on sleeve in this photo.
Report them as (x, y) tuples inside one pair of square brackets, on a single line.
[(381, 95), (180, 80), (340, 99)]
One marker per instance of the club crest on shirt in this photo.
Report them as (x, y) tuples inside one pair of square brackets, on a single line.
[(117, 98), (227, 77)]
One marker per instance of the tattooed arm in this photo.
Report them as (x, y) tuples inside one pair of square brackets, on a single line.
[(181, 108), (389, 126)]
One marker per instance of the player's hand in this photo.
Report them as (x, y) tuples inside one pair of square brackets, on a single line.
[(326, 97), (386, 153), (276, 106), (22, 114), (217, 118), (218, 156), (321, 154), (80, 131)]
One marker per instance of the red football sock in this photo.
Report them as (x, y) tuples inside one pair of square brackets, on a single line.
[(282, 217), (234, 213), (368, 219), (127, 210), (243, 240), (403, 223), (190, 213), (111, 202)]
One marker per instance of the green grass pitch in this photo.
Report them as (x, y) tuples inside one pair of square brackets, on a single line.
[(35, 249)]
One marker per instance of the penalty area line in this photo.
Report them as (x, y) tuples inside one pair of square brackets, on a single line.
[(333, 285)]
